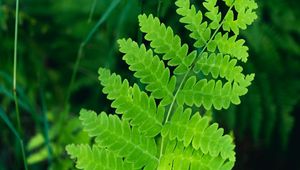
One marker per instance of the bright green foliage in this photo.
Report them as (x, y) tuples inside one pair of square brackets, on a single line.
[(193, 20), (179, 157), (150, 69), (219, 65), (211, 93), (165, 42), (96, 158), (245, 16), (195, 130), (157, 130), (230, 46), (117, 136), (213, 13), (218, 60), (141, 107), (201, 31)]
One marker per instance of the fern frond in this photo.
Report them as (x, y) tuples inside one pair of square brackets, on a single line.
[(165, 42), (136, 106), (208, 93), (213, 13), (195, 130), (220, 66), (150, 69), (200, 31), (245, 15), (146, 137), (231, 46), (178, 157), (117, 136), (96, 158)]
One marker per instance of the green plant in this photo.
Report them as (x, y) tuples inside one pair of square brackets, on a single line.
[(162, 127)]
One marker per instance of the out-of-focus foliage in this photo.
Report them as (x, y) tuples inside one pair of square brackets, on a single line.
[(49, 37)]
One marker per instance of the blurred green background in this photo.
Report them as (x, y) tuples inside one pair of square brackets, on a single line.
[(266, 125)]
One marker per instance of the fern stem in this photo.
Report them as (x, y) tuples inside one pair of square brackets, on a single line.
[(185, 76), (192, 66), (169, 112), (174, 98)]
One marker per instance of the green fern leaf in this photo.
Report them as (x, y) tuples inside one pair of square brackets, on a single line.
[(195, 130), (117, 136), (211, 93), (179, 157), (231, 46), (221, 66), (193, 20), (213, 13), (165, 42), (150, 69), (96, 158), (136, 106), (245, 15)]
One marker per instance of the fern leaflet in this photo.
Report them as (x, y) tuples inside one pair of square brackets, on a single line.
[(150, 69), (96, 158), (165, 42), (179, 157), (195, 130), (117, 136), (132, 103)]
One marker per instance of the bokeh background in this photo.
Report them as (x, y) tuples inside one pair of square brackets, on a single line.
[(266, 125)]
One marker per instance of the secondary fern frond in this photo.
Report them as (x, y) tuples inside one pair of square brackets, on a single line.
[(180, 157), (165, 42), (195, 130), (136, 106), (96, 158), (117, 136), (150, 69)]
